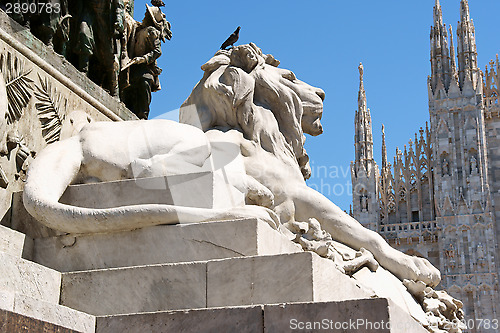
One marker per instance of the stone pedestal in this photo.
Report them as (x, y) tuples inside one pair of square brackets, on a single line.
[(298, 277), (29, 292), (229, 275), (354, 316), (162, 245)]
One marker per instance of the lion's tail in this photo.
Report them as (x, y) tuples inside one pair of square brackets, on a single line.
[(58, 165)]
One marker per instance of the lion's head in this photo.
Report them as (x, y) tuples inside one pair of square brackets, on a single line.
[(245, 89)]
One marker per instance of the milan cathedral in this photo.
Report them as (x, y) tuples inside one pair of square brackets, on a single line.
[(440, 199)]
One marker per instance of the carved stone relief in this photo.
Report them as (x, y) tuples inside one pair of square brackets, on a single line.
[(51, 107), (33, 111)]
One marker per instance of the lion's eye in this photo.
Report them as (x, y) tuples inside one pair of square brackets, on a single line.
[(289, 76)]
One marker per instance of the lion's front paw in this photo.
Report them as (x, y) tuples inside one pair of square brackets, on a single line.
[(261, 196), (420, 269)]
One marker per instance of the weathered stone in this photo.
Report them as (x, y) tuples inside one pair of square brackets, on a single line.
[(162, 244), (14, 322), (53, 313), (356, 316), (30, 279), (23, 222), (11, 242), (237, 319), (362, 315), (136, 289), (300, 277), (6, 300), (388, 286), (189, 190)]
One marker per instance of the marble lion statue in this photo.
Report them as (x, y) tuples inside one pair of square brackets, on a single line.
[(244, 100)]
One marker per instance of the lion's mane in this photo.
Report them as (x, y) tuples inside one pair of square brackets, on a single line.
[(244, 89)]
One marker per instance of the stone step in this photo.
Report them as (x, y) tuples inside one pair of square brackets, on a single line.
[(47, 312), (298, 277), (162, 244), (30, 279), (362, 315), (15, 322), (188, 190), (11, 242)]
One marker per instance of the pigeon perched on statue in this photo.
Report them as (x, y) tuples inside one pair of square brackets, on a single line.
[(158, 3), (232, 39)]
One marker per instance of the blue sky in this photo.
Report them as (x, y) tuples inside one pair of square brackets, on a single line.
[(323, 41)]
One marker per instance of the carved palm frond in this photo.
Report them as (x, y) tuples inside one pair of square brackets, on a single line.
[(49, 107), (19, 85)]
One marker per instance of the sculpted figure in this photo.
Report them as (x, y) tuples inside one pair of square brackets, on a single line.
[(244, 100), (473, 165), (266, 110), (446, 167), (364, 203), (144, 48), (100, 29), (127, 44), (51, 25)]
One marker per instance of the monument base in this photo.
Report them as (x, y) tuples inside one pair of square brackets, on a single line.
[(228, 276), (354, 316)]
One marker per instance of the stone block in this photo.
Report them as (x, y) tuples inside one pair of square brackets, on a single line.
[(23, 222), (299, 277), (15, 322), (162, 244), (6, 300), (55, 314), (239, 319), (47, 312), (362, 315), (189, 190), (11, 242), (27, 278), (356, 316), (136, 289), (388, 286)]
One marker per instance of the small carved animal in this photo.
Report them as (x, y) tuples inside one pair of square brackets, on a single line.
[(232, 39)]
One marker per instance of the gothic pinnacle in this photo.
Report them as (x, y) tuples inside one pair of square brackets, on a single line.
[(438, 14), (467, 50), (464, 10), (363, 125), (452, 53), (384, 149), (361, 74), (362, 93)]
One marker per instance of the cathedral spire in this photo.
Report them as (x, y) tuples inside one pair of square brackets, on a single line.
[(362, 93), (384, 148), (364, 170), (467, 51), (464, 10), (440, 54), (363, 124), (438, 14), (453, 63)]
